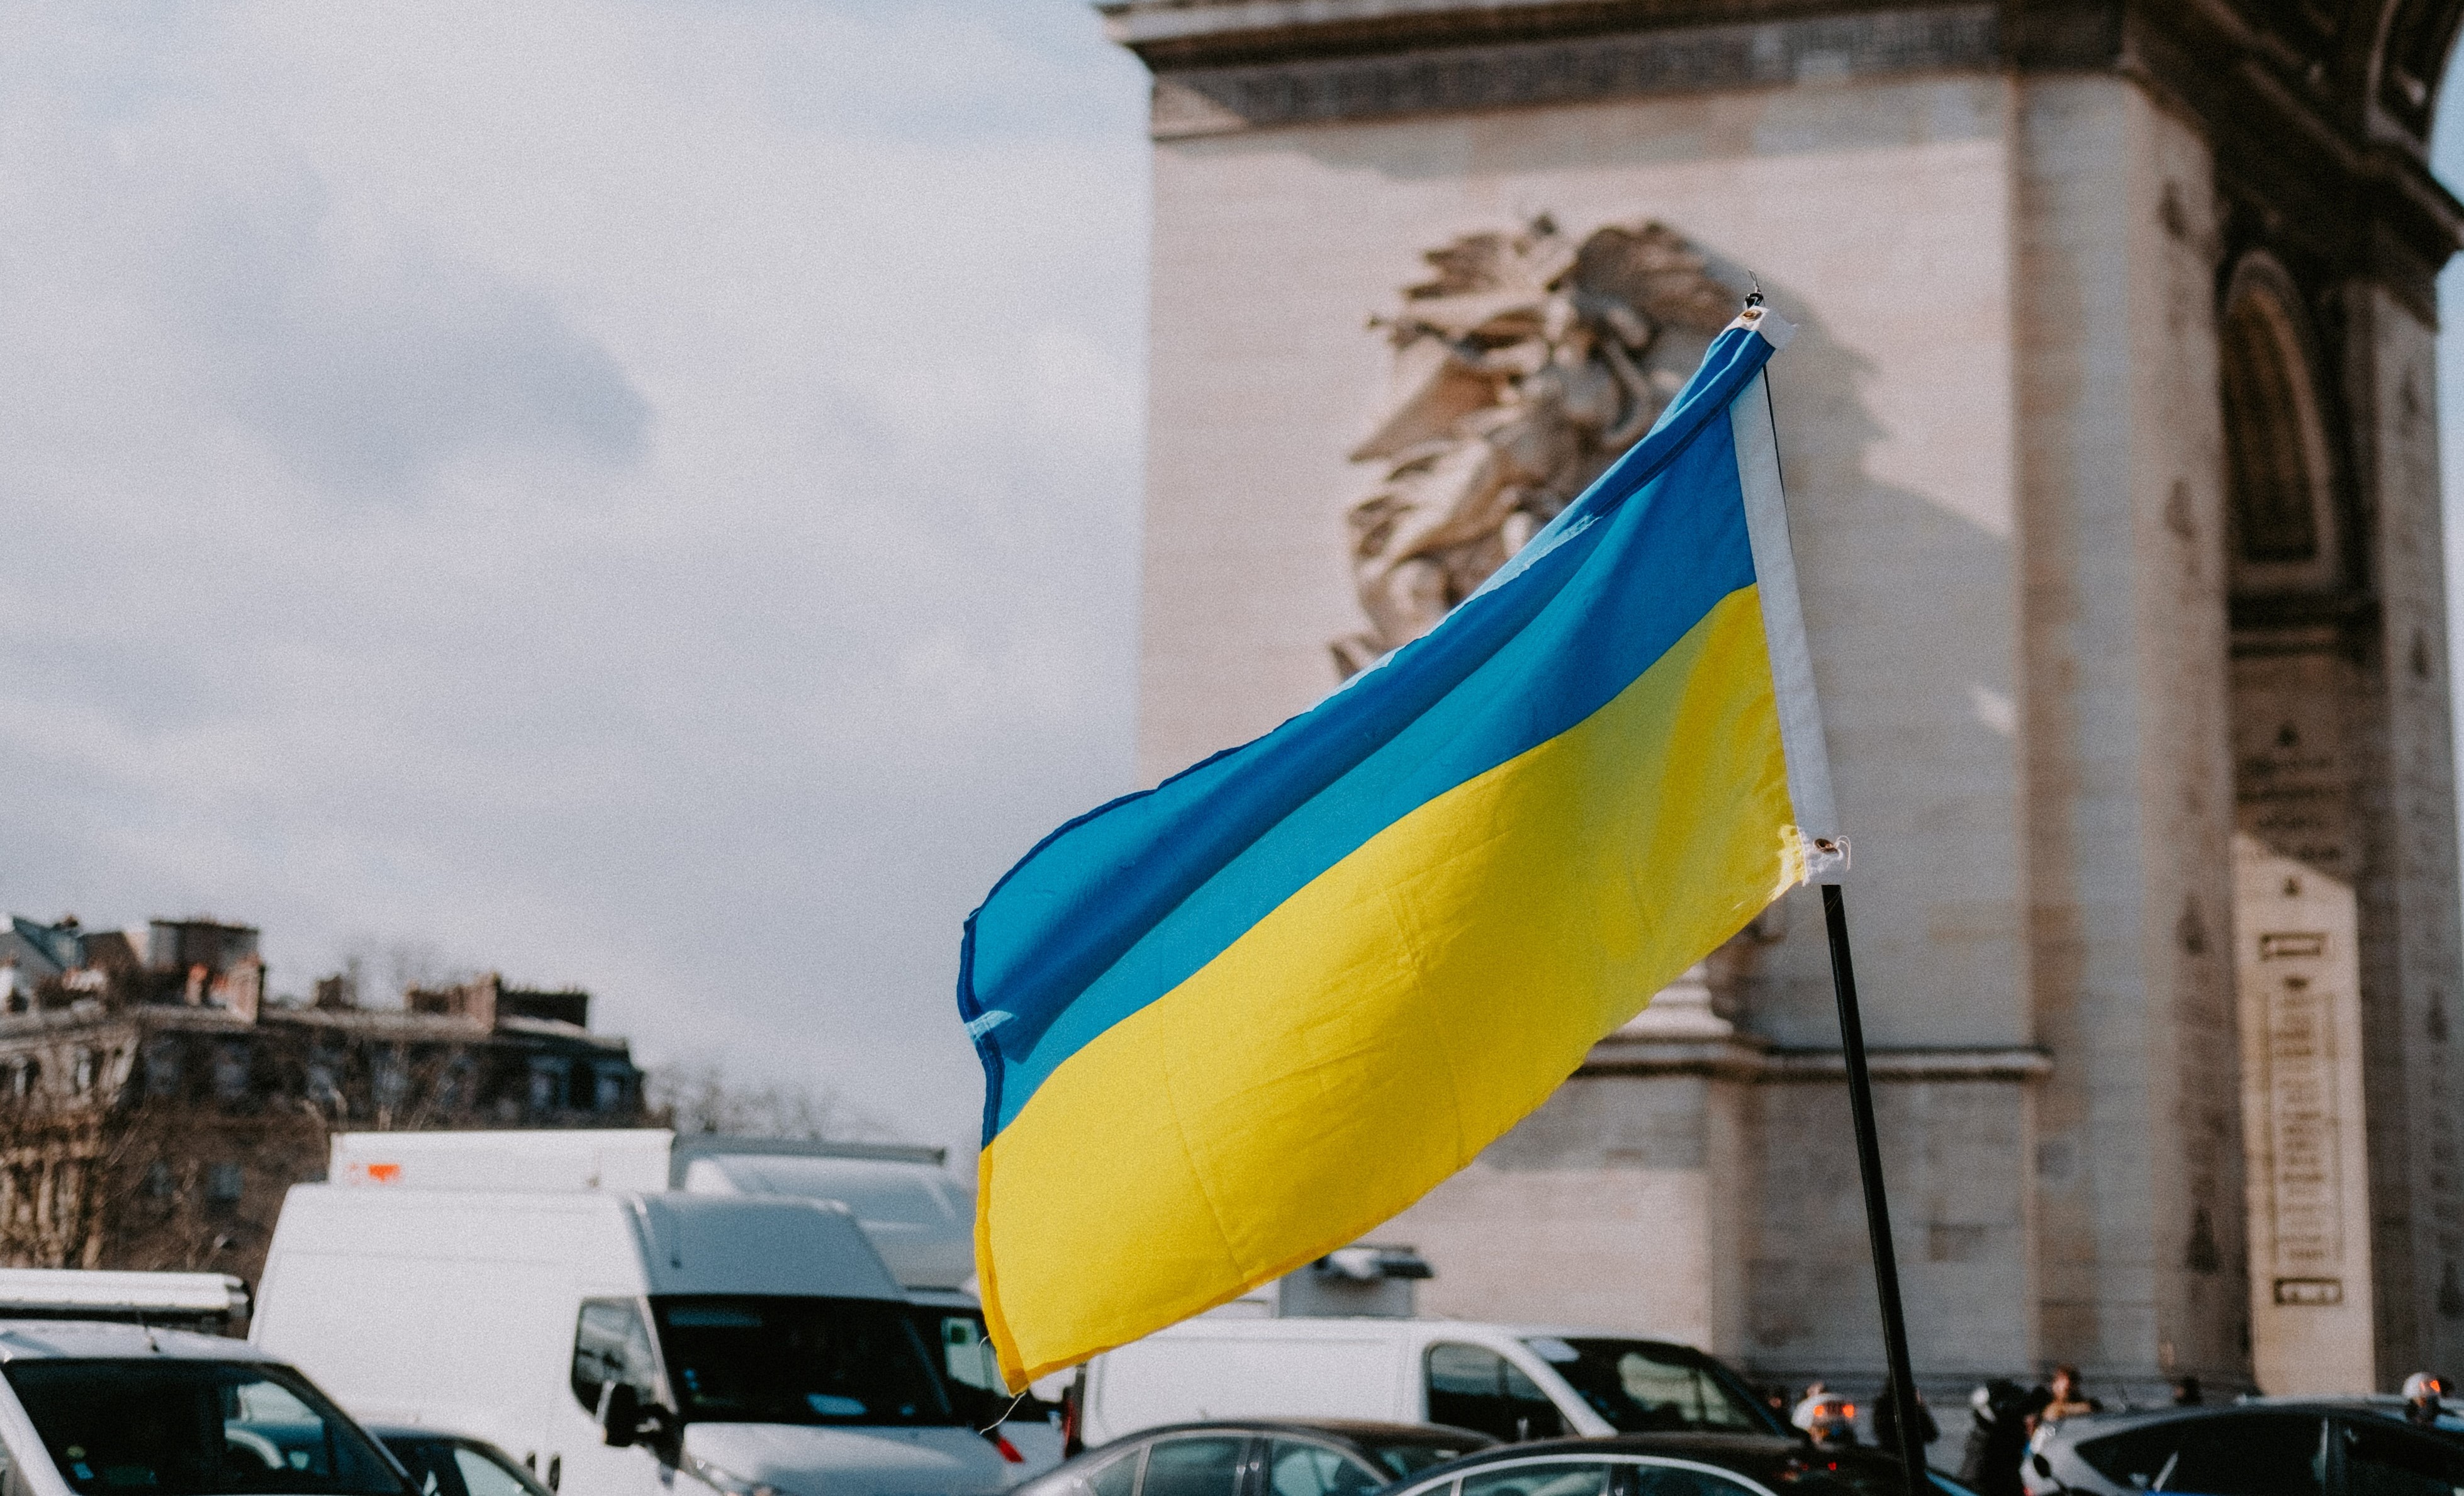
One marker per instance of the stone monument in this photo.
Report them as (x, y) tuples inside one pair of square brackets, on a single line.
[(2112, 460)]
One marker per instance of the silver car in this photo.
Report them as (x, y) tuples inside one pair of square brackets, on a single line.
[(2277, 1449)]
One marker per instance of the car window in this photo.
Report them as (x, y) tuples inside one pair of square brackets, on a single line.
[(1651, 1478), (1403, 1458), (1296, 1468), (2250, 1453), (1473, 1387), (1644, 1387), (430, 1463), (2395, 1462), (610, 1343), (188, 1428), (482, 1476), (1539, 1478), (1118, 1476), (1200, 1465)]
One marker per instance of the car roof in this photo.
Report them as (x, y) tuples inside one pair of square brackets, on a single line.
[(2085, 1425), (95, 1339), (419, 1431), (1349, 1327), (2382, 1404), (1757, 1450), (1361, 1430)]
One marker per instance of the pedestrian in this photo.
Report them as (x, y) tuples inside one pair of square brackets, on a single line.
[(2421, 1393), (1828, 1417), (2187, 1393), (1807, 1406), (1886, 1421), (2065, 1397), (1999, 1415)]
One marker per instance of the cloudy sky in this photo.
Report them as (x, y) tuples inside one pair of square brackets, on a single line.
[(637, 494)]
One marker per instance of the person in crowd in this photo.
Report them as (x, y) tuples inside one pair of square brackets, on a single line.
[(2000, 1414), (1775, 1398), (1828, 1417), (2421, 1393), (2187, 1393), (2065, 1397), (1886, 1421)]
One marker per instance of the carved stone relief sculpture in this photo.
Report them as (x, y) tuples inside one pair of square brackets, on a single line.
[(1521, 371)]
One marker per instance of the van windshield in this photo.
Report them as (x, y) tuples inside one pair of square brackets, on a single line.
[(1647, 1386), (168, 1428), (758, 1358)]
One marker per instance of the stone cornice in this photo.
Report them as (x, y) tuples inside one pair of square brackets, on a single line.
[(2296, 130), (1181, 34), (1217, 98), (1954, 1063), (1751, 1059)]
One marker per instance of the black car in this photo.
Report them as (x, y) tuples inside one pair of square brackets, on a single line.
[(2273, 1448), (1265, 1457), (1670, 1464), (452, 1465)]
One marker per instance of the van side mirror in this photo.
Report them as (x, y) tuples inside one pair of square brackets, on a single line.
[(620, 1415)]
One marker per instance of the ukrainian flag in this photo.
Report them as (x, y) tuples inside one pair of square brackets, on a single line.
[(1231, 1022)]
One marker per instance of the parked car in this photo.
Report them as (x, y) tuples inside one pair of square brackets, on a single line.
[(440, 1464), (1508, 1381), (612, 1339), (2327, 1448), (90, 1407), (1281, 1457), (1667, 1464)]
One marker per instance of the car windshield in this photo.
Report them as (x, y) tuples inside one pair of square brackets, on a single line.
[(743, 1358), (452, 1467), (1410, 1456), (188, 1429), (1645, 1386)]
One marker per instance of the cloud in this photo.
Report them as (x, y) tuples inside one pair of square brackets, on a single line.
[(366, 360), (638, 494)]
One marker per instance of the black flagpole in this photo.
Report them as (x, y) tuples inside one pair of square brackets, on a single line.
[(1878, 1213)]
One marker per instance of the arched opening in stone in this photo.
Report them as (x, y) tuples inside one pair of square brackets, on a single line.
[(2280, 473)]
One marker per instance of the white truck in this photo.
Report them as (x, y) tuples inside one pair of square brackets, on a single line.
[(919, 1219), (614, 1338), (1512, 1381), (205, 1301)]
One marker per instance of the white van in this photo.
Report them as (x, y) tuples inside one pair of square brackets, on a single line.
[(1512, 1381), (613, 1338)]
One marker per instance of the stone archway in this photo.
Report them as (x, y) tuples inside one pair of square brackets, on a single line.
[(2280, 466)]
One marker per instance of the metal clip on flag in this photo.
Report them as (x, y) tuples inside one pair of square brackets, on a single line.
[(1230, 1024)]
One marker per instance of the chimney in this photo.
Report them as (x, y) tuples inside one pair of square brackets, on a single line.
[(241, 988), (475, 1000)]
